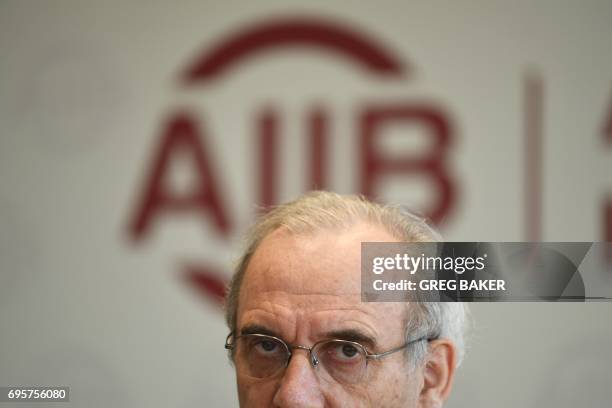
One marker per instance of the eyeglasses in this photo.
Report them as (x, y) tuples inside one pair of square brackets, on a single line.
[(264, 356)]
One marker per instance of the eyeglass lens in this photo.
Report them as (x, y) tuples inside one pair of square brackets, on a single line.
[(263, 357)]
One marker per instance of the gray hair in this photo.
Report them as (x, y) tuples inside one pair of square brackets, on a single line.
[(326, 210)]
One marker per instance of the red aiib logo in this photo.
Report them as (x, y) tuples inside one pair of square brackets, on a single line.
[(182, 136)]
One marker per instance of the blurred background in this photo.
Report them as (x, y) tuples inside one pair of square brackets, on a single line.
[(140, 139)]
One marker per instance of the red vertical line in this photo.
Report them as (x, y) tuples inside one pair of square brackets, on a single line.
[(607, 204), (268, 127), (533, 103), (607, 209), (318, 124)]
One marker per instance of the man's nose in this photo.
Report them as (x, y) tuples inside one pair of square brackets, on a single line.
[(299, 386)]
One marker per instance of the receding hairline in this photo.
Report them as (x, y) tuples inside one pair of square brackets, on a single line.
[(359, 231), (319, 211)]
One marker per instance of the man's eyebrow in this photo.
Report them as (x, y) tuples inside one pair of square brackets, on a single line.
[(346, 334), (352, 335), (257, 329)]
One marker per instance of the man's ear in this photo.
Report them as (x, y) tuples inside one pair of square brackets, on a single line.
[(438, 373)]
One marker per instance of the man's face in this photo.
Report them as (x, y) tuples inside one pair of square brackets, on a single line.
[(302, 288)]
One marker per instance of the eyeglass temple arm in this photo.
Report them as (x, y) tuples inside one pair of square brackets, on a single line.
[(228, 345), (395, 350)]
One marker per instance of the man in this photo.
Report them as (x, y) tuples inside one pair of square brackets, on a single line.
[(300, 336)]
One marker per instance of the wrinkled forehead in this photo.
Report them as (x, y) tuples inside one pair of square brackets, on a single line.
[(315, 269)]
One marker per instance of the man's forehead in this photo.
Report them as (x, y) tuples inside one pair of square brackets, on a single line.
[(314, 271), (323, 262)]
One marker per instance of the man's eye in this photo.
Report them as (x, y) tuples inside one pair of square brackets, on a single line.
[(266, 346), (346, 352)]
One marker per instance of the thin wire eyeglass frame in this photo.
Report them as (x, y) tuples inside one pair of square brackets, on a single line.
[(313, 357)]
